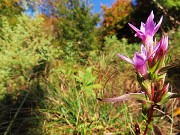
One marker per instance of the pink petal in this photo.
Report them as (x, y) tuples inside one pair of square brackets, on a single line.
[(140, 63), (150, 25), (125, 58), (133, 27), (142, 28), (158, 25), (143, 50), (155, 49), (139, 33), (139, 59), (164, 43)]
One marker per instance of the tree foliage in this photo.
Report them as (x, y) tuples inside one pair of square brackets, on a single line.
[(115, 17), (169, 4), (77, 25), (73, 25), (9, 8), (170, 9)]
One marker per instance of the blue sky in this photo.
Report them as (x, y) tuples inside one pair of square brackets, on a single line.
[(97, 4)]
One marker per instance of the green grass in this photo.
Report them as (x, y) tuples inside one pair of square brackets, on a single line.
[(60, 97)]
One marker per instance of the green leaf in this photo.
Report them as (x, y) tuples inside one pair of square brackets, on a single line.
[(90, 93), (175, 95), (155, 67), (167, 97), (88, 77)]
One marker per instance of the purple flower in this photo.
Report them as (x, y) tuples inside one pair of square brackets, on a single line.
[(147, 30), (163, 45), (139, 61), (162, 48)]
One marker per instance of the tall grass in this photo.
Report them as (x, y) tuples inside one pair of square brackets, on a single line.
[(60, 96)]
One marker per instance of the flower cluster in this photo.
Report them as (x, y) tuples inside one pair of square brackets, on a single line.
[(150, 59)]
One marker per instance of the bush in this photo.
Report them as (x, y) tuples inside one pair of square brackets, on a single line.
[(22, 47)]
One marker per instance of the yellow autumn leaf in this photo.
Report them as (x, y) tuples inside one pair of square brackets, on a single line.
[(176, 112)]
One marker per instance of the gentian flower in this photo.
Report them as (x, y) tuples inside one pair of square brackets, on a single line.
[(139, 61), (147, 31), (163, 46), (162, 49)]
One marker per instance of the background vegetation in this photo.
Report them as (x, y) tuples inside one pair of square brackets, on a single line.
[(55, 64)]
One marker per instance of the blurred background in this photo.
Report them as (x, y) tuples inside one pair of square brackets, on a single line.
[(58, 56)]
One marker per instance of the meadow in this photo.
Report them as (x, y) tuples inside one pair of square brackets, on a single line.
[(51, 80)]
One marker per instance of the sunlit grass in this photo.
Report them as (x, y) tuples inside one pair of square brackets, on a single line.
[(62, 99)]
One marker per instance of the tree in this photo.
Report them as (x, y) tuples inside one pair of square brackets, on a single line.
[(72, 22), (170, 9), (76, 26), (9, 8), (115, 17)]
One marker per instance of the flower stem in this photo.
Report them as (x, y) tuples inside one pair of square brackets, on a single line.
[(150, 115)]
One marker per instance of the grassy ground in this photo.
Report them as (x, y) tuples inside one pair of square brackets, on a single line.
[(60, 97)]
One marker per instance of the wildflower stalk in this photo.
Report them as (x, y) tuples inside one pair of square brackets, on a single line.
[(148, 64), (151, 112)]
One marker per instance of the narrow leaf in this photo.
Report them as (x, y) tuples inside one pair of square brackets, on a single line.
[(168, 96), (175, 95), (167, 68), (130, 96), (155, 67)]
